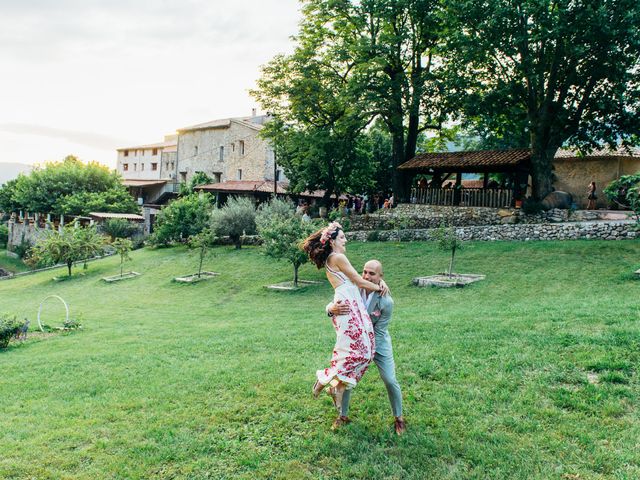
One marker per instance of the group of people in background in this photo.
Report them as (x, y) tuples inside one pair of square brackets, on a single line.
[(354, 204)]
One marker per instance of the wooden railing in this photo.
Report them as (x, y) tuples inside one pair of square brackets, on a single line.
[(468, 197)]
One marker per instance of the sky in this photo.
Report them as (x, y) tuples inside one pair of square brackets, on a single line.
[(85, 77)]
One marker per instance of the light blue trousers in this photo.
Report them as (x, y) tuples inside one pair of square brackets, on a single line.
[(387, 368)]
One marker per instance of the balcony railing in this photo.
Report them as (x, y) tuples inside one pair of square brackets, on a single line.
[(468, 197)]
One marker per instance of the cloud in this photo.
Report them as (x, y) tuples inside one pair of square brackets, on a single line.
[(88, 139)]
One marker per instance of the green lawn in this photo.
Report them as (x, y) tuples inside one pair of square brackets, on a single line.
[(11, 264), (531, 374)]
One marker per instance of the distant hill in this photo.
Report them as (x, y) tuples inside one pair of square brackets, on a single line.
[(9, 171)]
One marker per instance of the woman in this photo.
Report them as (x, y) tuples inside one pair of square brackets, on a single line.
[(355, 343), (592, 196)]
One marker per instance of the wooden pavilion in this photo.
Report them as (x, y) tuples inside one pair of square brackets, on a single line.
[(445, 171)]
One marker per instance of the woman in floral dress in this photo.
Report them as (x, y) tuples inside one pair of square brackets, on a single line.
[(355, 340)]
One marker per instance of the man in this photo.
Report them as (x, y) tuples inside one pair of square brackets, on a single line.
[(380, 309)]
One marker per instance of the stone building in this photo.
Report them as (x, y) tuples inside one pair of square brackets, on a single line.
[(229, 149)]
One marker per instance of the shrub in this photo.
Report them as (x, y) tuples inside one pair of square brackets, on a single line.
[(448, 241), (119, 228), (182, 218), (336, 215), (625, 193), (236, 218), (4, 235), (9, 327), (122, 247), (201, 242)]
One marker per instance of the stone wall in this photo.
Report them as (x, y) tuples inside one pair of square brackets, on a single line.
[(20, 232), (612, 230), (431, 216)]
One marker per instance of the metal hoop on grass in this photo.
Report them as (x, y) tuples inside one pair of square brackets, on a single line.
[(66, 307)]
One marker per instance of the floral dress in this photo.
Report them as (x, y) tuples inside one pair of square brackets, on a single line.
[(355, 338)]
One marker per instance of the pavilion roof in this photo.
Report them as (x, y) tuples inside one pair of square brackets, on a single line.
[(468, 161)]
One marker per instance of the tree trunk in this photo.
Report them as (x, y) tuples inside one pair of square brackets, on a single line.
[(201, 260), (69, 264), (295, 275), (542, 154), (121, 266), (237, 241), (453, 254)]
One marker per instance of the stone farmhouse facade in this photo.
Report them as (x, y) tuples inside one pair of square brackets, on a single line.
[(228, 149), (154, 161)]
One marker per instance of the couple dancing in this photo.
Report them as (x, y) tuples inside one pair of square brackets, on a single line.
[(360, 311)]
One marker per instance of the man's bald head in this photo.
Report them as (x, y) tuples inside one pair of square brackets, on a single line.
[(372, 271)]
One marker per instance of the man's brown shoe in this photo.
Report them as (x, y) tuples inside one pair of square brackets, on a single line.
[(400, 426), (339, 422)]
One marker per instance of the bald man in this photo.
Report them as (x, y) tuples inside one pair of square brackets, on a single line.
[(380, 309)]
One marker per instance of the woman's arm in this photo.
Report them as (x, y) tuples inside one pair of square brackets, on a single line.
[(342, 263)]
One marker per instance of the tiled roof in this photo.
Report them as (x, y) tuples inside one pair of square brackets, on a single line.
[(163, 145), (458, 160), (605, 152), (264, 186), (126, 216), (251, 122), (245, 186), (142, 183)]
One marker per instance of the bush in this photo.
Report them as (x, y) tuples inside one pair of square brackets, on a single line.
[(620, 191), (236, 218), (9, 327), (119, 228), (182, 218), (4, 236), (335, 214)]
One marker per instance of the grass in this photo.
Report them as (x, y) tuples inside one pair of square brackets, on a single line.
[(530, 374), (11, 264)]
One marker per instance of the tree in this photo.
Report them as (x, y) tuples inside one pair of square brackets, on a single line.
[(282, 231), (115, 200), (199, 178), (357, 61), (7, 192), (122, 246), (73, 243), (554, 72), (448, 241), (182, 218), (201, 242), (236, 218), (69, 187)]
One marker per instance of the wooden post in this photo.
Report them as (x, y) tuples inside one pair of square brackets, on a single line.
[(458, 191)]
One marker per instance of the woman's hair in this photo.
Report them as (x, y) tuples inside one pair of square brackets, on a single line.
[(318, 244)]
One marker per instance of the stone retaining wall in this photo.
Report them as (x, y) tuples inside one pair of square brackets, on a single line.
[(614, 230), (431, 216)]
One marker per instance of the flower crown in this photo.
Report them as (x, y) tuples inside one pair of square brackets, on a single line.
[(329, 231)]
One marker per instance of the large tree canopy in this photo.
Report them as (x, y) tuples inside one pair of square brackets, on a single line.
[(354, 61), (67, 187), (546, 73)]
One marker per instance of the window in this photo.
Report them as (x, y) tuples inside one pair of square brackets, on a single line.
[(135, 167), (125, 167), (239, 174), (195, 152), (126, 153), (142, 167), (277, 175), (221, 153), (241, 147), (154, 166), (172, 165), (233, 147), (154, 152)]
